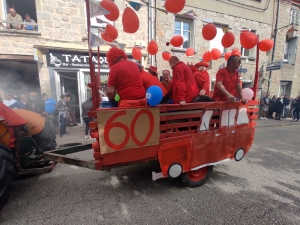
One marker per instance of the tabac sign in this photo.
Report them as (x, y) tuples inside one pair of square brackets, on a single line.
[(73, 60)]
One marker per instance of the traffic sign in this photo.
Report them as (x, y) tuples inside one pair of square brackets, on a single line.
[(276, 65)]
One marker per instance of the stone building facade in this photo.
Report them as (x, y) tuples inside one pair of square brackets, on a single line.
[(55, 57), (287, 80), (254, 15)]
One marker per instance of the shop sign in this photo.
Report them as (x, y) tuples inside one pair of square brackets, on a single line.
[(74, 60)]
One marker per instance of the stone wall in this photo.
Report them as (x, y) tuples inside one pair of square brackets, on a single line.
[(288, 72), (62, 25), (165, 31)]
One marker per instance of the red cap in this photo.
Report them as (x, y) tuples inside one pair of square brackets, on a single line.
[(152, 68), (202, 64)]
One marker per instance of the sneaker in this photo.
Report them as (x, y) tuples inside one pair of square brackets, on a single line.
[(265, 118), (262, 118)]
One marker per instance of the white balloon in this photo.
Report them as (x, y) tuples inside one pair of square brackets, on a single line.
[(247, 93)]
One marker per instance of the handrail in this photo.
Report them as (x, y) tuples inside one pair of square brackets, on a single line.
[(16, 22)]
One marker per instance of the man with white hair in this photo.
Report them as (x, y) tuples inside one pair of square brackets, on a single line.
[(13, 16)]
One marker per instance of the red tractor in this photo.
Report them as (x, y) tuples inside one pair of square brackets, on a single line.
[(24, 136)]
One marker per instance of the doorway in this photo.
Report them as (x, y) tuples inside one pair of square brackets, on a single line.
[(69, 81)]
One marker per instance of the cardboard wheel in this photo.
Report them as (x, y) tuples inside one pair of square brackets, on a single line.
[(196, 178)]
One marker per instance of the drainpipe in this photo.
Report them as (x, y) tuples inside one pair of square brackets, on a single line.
[(149, 28), (275, 37)]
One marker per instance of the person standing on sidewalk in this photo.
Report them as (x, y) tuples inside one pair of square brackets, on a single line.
[(86, 107), (62, 114), (278, 108), (286, 104), (297, 109), (265, 105), (50, 112), (271, 107), (71, 104)]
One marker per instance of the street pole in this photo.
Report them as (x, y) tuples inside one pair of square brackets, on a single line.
[(275, 37)]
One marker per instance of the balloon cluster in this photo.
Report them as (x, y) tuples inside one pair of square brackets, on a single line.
[(130, 20)]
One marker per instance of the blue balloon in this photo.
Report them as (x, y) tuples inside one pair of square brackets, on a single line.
[(154, 95)]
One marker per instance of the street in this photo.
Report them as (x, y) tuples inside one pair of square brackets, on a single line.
[(264, 188)]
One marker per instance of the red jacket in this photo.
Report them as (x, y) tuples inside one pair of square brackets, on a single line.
[(184, 84), (193, 68), (202, 80)]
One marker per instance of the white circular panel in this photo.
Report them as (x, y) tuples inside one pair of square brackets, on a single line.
[(175, 170), (239, 154)]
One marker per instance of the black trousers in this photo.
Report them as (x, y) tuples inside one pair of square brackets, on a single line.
[(277, 115), (297, 111), (63, 124), (270, 112), (87, 120)]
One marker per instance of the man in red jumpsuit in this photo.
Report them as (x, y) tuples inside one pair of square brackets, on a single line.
[(150, 80), (184, 85), (124, 78), (228, 87), (202, 78)]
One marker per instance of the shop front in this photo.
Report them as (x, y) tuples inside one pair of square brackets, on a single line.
[(70, 71)]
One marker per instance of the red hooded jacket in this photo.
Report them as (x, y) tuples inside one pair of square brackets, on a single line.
[(184, 84), (202, 80)]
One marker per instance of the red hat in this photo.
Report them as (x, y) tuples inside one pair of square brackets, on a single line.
[(152, 68), (202, 64)]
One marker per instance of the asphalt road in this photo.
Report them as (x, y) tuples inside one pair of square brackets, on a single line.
[(264, 188)]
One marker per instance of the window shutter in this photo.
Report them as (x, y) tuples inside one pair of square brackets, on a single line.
[(292, 50)]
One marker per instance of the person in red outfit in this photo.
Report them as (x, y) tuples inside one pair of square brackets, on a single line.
[(228, 87), (202, 78), (192, 67), (184, 85), (150, 80), (167, 82), (124, 78), (153, 71)]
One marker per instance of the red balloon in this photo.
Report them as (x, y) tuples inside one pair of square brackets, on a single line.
[(227, 55), (105, 38), (190, 52), (152, 48), (236, 52), (209, 31), (215, 54), (166, 55), (112, 8), (174, 6), (111, 32), (266, 45), (206, 56), (136, 53), (228, 40), (176, 41), (130, 21), (248, 39)]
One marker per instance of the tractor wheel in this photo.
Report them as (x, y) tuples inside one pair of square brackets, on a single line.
[(7, 173), (196, 178)]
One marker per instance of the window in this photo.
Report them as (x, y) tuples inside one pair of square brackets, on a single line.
[(294, 16), (184, 27), (210, 120), (290, 50), (216, 42), (248, 52), (228, 117), (243, 116), (21, 7)]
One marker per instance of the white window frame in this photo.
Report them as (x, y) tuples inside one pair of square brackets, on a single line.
[(295, 16), (205, 121), (4, 10), (290, 50), (216, 42), (191, 31), (251, 51)]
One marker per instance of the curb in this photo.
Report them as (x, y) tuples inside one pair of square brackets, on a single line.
[(284, 124)]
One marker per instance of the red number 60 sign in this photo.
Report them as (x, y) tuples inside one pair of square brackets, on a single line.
[(131, 128)]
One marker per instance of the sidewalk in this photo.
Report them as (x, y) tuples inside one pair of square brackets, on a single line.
[(77, 133)]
